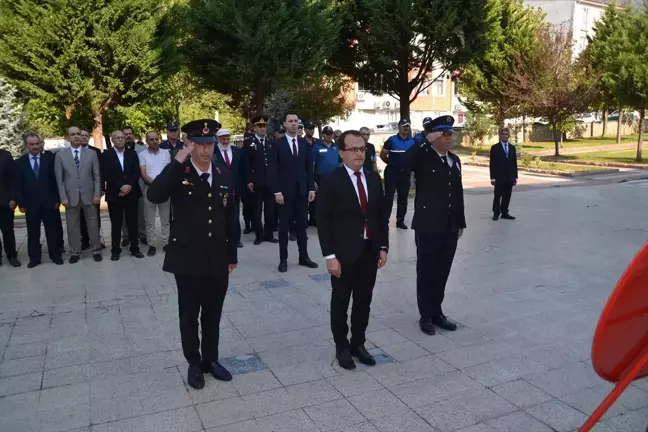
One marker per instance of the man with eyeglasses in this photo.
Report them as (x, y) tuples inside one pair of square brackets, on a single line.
[(439, 218), (396, 177)]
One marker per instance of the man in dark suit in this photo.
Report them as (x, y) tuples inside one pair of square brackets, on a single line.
[(202, 251), (121, 171), (353, 234), (231, 159), (36, 195), (439, 218), (257, 150), (85, 238), (504, 174), (294, 188), (7, 208)]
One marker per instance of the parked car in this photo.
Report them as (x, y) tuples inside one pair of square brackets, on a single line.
[(389, 127), (587, 117), (627, 116)]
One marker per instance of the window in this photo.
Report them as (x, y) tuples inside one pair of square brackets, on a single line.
[(585, 19), (439, 87)]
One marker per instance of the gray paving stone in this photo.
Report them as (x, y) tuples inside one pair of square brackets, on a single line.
[(407, 350), (381, 357), (503, 370), (428, 390), (377, 404), (385, 337), (569, 379), (559, 416), (20, 412), (516, 422), (305, 372), (362, 427), (410, 370), (20, 384), (465, 410), (66, 375), (28, 350), (476, 354), (334, 415), (481, 427), (243, 364), (255, 382), (407, 421), (22, 366), (521, 394), (354, 383), (313, 393), (182, 420), (58, 420), (631, 421), (271, 284)]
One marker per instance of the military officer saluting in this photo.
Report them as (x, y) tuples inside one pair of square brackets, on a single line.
[(439, 218), (203, 247)]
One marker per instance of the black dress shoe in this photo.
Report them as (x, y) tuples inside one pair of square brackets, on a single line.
[(307, 262), (271, 240), (143, 241), (97, 257), (85, 246), (442, 322), (401, 225), (345, 360), (507, 216), (257, 241), (114, 257), (427, 327), (58, 261), (293, 237), (125, 242), (137, 254), (151, 251), (247, 230), (496, 216), (14, 262), (217, 370), (363, 355), (74, 259), (240, 245), (283, 266), (164, 248), (33, 264), (195, 378)]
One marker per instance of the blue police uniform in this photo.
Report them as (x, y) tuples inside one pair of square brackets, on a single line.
[(326, 158), (396, 177)]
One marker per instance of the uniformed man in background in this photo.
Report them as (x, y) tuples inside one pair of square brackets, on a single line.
[(326, 159), (256, 151), (397, 178), (370, 152), (203, 247), (420, 137), (439, 218)]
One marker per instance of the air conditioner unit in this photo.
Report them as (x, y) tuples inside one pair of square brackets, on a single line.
[(360, 96), (386, 104), (377, 104)]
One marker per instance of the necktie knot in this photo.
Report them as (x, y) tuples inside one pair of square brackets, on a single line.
[(358, 174), (204, 177)]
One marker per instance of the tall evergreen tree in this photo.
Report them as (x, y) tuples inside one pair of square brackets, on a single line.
[(85, 57), (401, 47), (10, 119), (484, 80), (248, 51)]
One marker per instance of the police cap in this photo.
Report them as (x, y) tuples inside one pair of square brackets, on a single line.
[(308, 124), (260, 120), (300, 125), (427, 120), (173, 126), (202, 131), (440, 124), (404, 122), (328, 130)]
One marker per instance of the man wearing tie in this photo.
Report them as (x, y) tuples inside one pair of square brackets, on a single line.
[(79, 186), (294, 188), (353, 234), (231, 159), (36, 195), (121, 170), (504, 174)]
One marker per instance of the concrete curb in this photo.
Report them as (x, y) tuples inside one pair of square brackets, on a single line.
[(550, 173)]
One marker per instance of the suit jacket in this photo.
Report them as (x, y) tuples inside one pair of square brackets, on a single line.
[(6, 177), (34, 193), (236, 169), (340, 223), (77, 186), (259, 165), (116, 177), (503, 168), (204, 232), (292, 173), (98, 152)]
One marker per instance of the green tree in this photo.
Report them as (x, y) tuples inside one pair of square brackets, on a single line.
[(484, 80), (11, 119), (478, 127), (401, 47), (548, 83), (85, 57), (248, 51), (321, 98)]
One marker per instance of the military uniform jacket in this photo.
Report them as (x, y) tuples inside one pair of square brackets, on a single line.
[(439, 192), (204, 230), (257, 160)]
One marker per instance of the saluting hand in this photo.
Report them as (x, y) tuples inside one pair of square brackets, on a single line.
[(432, 136), (184, 153)]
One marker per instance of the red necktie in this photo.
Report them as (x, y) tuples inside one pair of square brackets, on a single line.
[(294, 147), (363, 201), (226, 156)]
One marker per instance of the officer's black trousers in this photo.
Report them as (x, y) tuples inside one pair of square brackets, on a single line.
[(434, 255), (503, 191), (357, 280), (264, 202), (397, 180), (8, 235), (34, 217), (293, 209), (248, 208), (204, 296), (85, 239)]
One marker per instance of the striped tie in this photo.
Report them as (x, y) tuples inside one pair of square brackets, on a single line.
[(76, 159)]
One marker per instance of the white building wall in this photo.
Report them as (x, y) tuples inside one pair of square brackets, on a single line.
[(556, 11)]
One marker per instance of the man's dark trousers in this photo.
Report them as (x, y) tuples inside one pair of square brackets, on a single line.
[(397, 180), (204, 296), (7, 229), (357, 280), (503, 191), (435, 252), (116, 211), (294, 208)]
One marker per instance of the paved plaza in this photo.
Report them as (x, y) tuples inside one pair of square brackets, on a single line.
[(96, 346)]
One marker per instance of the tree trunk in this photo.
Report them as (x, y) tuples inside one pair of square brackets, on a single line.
[(642, 117), (619, 121), (556, 134), (605, 121), (177, 111), (97, 130), (258, 101), (524, 130)]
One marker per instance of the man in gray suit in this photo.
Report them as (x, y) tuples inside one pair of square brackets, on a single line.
[(79, 185)]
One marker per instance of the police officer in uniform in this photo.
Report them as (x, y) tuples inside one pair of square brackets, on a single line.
[(420, 137), (396, 177), (439, 218), (203, 247), (256, 152)]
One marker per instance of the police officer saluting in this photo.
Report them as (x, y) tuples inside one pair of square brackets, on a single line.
[(396, 177), (203, 247), (439, 218)]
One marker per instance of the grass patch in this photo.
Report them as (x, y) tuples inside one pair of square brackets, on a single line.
[(613, 156), (549, 145), (561, 167)]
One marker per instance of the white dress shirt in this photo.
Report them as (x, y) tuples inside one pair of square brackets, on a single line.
[(448, 158), (228, 149), (290, 143), (209, 171), (261, 139), (32, 161), (120, 156), (154, 163)]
